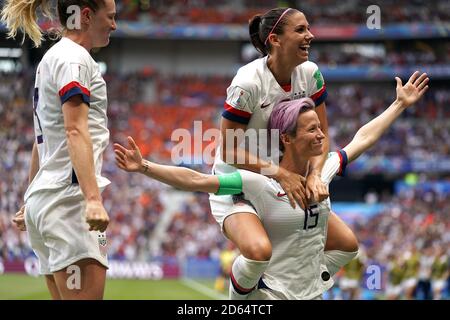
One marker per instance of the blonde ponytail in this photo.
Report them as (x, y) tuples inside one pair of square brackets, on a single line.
[(20, 15)]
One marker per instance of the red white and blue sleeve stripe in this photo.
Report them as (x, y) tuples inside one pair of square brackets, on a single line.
[(236, 115), (74, 88), (320, 96), (343, 162)]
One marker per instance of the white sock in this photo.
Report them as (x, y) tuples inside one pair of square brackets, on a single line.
[(245, 274), (336, 259)]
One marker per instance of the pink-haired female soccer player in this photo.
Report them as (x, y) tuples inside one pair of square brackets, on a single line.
[(298, 267)]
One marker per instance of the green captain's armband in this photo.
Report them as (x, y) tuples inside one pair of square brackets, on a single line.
[(230, 183)]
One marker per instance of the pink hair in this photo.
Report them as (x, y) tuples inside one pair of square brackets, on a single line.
[(284, 115)]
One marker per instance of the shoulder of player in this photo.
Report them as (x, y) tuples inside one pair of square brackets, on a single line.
[(249, 76), (252, 176), (308, 66), (68, 51), (253, 184)]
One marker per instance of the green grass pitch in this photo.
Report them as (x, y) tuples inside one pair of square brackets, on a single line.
[(24, 287)]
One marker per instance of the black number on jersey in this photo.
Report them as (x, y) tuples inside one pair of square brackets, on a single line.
[(311, 217), (39, 137)]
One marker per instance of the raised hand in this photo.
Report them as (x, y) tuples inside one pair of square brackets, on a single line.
[(128, 159), (413, 90)]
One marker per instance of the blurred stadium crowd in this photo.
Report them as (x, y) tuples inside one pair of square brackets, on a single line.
[(239, 11)]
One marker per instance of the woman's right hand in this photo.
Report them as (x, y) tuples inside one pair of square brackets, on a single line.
[(128, 159), (294, 186)]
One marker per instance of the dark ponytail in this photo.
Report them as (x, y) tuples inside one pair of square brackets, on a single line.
[(260, 26), (254, 27)]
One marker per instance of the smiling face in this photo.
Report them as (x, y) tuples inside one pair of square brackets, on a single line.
[(307, 141), (295, 40), (102, 24)]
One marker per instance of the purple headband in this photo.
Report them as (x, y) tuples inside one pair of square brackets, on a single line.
[(275, 25), (284, 115)]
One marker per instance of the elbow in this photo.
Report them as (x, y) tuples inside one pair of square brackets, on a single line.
[(362, 140), (200, 184), (73, 132), (196, 185), (367, 142)]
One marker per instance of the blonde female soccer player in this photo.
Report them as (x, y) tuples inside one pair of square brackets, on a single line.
[(70, 122)]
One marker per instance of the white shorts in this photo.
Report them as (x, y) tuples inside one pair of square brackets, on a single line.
[(224, 206), (58, 232)]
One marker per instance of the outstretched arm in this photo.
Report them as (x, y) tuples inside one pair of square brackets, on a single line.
[(407, 95), (182, 178)]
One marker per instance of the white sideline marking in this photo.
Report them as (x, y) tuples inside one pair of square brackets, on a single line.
[(203, 289)]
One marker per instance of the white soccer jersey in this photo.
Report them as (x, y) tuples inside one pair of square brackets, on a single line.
[(297, 269), (254, 92), (67, 69)]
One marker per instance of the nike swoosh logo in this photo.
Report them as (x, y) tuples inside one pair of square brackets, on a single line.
[(265, 105), (279, 194)]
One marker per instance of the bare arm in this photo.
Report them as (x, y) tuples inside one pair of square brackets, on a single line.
[(79, 143), (181, 178), (232, 154), (368, 134), (34, 165), (240, 158), (80, 146), (407, 95)]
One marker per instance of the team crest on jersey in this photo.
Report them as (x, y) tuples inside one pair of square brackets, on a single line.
[(239, 98), (102, 240)]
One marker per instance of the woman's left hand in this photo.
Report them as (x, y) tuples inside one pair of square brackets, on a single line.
[(316, 191), (128, 159), (413, 90)]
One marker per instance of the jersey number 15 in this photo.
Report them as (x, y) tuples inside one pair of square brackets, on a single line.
[(311, 217)]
